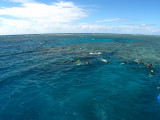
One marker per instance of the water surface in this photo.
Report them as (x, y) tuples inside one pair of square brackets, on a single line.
[(36, 85)]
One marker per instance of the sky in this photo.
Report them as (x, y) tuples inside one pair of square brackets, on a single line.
[(79, 16)]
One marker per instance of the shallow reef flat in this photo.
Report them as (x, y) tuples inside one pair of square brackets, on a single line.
[(146, 51)]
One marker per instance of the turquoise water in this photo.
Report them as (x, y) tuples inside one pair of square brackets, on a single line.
[(36, 85)]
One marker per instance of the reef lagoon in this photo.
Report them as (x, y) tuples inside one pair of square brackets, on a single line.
[(45, 77)]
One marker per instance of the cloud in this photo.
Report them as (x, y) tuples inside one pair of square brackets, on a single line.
[(122, 29), (25, 27), (39, 12), (33, 17), (59, 17), (115, 19)]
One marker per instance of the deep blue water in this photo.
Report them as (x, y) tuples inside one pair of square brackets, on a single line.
[(36, 85)]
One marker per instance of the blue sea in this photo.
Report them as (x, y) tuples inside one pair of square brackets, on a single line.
[(45, 77)]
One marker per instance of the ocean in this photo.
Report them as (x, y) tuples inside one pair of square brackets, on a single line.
[(79, 77)]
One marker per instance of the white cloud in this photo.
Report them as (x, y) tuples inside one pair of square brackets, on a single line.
[(122, 29), (26, 27), (33, 18), (115, 19), (38, 12)]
